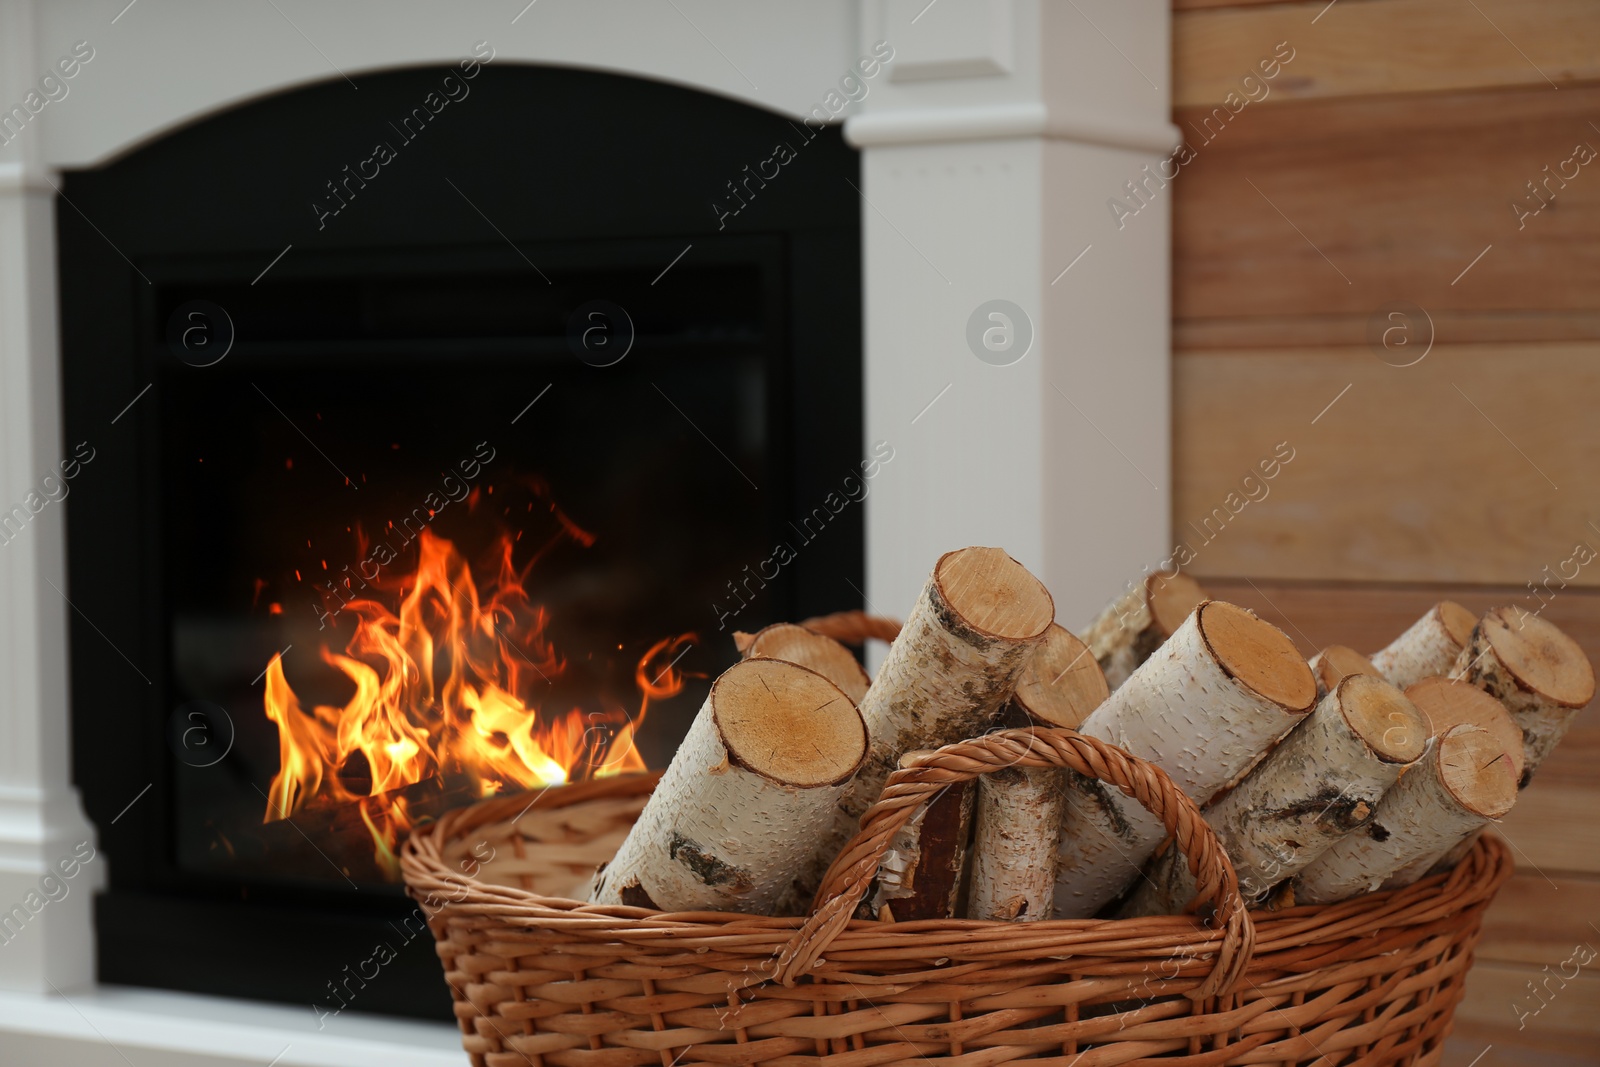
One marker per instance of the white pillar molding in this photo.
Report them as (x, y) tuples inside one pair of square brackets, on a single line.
[(986, 171), (43, 941)]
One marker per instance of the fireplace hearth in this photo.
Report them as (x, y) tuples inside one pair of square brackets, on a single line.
[(439, 478)]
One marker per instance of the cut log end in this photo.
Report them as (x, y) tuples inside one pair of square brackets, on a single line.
[(1457, 621), (993, 594), (1259, 655), (796, 644), (1477, 771), (1540, 657), (1062, 682), (1172, 599), (1382, 717), (788, 723), (1338, 662), (1448, 703)]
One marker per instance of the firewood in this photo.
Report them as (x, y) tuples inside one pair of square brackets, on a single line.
[(1449, 703), (920, 875), (748, 797), (1135, 624), (1463, 781), (1429, 647), (979, 618), (1337, 662), (1019, 809), (1539, 673), (1221, 691), (1322, 782), (796, 644), (1061, 684)]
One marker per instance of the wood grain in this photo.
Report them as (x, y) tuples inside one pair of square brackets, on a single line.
[(1385, 160), (1369, 47), (1534, 922), (1306, 220), (1474, 466), (1561, 1035), (1316, 331)]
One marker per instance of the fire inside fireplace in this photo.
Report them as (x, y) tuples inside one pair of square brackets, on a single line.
[(453, 686), (399, 541)]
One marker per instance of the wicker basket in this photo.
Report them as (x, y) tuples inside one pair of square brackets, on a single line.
[(542, 979)]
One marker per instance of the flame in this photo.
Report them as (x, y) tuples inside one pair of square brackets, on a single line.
[(446, 692)]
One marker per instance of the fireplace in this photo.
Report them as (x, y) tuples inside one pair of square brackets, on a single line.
[(984, 153), (431, 481)]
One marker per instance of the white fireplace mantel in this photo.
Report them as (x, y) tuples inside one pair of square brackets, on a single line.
[(990, 144)]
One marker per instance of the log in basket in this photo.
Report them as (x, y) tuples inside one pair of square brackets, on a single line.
[(546, 981)]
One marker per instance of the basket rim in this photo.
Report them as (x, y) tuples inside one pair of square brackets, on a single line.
[(1098, 942)]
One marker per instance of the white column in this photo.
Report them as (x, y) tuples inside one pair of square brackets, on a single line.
[(43, 941), (988, 156)]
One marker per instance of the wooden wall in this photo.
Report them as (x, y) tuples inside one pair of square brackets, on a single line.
[(1378, 174)]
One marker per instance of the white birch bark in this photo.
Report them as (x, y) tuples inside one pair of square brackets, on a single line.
[(978, 619), (1461, 783), (1539, 673), (1320, 783), (747, 799), (1457, 853), (1014, 853), (1135, 624), (1204, 707), (1429, 647), (1020, 809)]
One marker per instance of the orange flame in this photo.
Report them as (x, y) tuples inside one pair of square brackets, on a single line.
[(445, 694)]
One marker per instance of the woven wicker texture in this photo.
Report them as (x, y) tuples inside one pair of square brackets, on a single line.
[(544, 979)]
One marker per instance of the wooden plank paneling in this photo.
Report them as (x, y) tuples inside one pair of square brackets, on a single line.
[(1386, 160), (1535, 921), (1333, 210), (1480, 464), (1367, 47), (1553, 826), (1563, 1033), (1315, 331)]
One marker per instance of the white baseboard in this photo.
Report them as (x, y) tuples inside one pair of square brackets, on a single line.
[(114, 1026)]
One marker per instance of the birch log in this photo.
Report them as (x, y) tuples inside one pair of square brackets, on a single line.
[(979, 618), (1204, 707), (748, 797), (1429, 647), (1462, 782), (1539, 673), (920, 875), (1135, 624), (1337, 662), (1020, 808), (1322, 782), (796, 644), (1447, 703)]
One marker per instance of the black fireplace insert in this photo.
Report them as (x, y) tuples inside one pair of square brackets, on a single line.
[(437, 430)]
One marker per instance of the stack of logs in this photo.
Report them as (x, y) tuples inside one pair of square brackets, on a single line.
[(1322, 780)]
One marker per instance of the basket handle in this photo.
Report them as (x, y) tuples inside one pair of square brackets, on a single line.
[(908, 788)]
